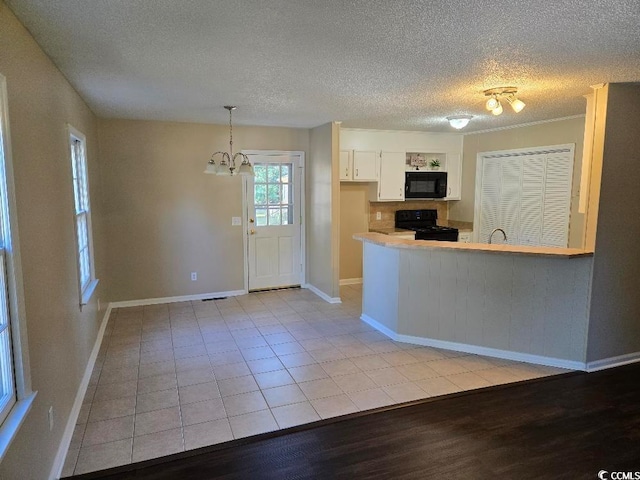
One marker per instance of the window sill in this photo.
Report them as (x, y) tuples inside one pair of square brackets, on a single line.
[(88, 292), (14, 421)]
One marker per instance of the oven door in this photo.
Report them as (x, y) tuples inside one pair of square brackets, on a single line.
[(425, 185)]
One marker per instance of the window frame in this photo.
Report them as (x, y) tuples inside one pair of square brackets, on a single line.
[(15, 293), (84, 291)]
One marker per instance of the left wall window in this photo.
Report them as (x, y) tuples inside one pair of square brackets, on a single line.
[(16, 396), (82, 209)]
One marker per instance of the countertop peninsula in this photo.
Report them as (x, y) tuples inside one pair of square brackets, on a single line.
[(395, 242)]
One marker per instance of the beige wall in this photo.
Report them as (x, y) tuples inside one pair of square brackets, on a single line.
[(61, 337), (551, 133), (323, 210), (354, 218), (164, 217), (614, 327)]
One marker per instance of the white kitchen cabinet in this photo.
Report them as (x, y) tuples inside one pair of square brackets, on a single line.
[(365, 166), (391, 183), (453, 167), (358, 166), (346, 165)]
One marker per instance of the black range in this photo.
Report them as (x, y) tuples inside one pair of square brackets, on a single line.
[(424, 223)]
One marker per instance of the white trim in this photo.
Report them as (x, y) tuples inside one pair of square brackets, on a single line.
[(463, 347), (63, 448), (303, 212), (180, 298), (522, 125), (351, 281), (613, 362), (14, 421), (321, 294), (15, 290), (86, 293)]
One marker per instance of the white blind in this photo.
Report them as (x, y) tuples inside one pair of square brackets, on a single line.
[(528, 195)]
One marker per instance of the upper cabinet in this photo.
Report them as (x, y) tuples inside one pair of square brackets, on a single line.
[(453, 168), (358, 166), (391, 184), (380, 156), (346, 165), (365, 166)]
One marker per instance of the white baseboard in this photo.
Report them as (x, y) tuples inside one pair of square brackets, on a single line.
[(351, 281), (613, 362), (181, 298), (63, 449), (321, 294), (475, 349)]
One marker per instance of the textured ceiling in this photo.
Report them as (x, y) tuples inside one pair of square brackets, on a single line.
[(387, 64)]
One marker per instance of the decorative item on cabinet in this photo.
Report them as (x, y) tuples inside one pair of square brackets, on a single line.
[(434, 164)]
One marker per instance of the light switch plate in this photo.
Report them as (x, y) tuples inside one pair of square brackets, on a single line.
[(236, 221)]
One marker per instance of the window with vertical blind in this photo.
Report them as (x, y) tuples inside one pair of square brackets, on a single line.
[(82, 211)]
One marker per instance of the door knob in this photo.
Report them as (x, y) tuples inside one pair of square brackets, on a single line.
[(252, 231), (251, 220)]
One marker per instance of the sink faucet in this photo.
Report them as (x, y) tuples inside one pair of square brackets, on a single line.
[(497, 230)]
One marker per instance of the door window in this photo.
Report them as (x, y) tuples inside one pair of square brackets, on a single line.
[(273, 194)]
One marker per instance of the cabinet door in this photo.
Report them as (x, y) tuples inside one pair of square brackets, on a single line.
[(365, 166), (346, 162), (391, 183), (454, 176)]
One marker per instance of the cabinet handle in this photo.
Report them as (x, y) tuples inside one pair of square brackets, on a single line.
[(449, 191), (356, 172)]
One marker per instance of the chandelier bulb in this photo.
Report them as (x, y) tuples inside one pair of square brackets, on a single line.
[(498, 109)]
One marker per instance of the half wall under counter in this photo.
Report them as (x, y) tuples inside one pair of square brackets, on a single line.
[(520, 303)]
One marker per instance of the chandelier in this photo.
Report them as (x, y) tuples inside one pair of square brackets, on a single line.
[(227, 164), (506, 93)]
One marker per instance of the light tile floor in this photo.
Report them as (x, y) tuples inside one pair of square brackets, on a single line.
[(180, 376)]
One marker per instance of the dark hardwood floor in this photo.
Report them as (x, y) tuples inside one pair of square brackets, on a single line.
[(569, 426)]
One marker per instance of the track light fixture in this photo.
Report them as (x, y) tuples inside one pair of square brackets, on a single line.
[(505, 93)]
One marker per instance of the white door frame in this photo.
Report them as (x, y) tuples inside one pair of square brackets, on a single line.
[(303, 214)]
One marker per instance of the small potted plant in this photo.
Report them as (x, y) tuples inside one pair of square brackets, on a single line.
[(434, 164)]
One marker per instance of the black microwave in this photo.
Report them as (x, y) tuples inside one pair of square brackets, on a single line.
[(425, 185)]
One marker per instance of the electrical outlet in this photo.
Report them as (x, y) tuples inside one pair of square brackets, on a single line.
[(236, 221), (378, 215), (194, 276), (51, 418)]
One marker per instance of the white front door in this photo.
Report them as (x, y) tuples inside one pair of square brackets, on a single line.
[(274, 212)]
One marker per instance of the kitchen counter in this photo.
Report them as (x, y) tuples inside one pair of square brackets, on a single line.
[(390, 241), (521, 303), (392, 231)]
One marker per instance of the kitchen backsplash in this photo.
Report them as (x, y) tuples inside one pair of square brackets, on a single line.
[(388, 211)]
